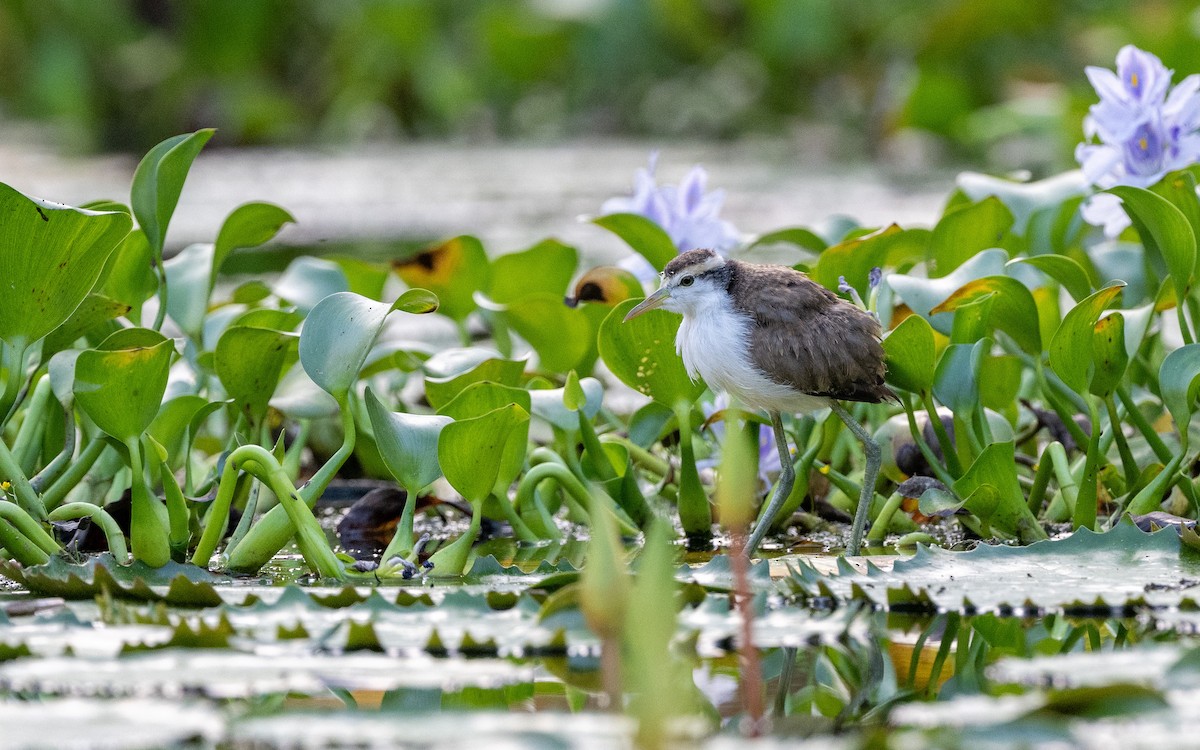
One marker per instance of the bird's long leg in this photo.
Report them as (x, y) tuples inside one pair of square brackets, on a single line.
[(874, 458), (787, 477)]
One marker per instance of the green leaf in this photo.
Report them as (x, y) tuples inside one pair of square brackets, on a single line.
[(910, 350), (120, 385), (408, 443), (158, 181), (470, 451), (966, 231), (1064, 270), (306, 281), (544, 269), (558, 406), (643, 235), (854, 258), (480, 398), (95, 311), (1003, 507), (454, 270), (1023, 199), (922, 295), (249, 225), (50, 258), (340, 330), (188, 282), (1012, 309), (956, 380), (1179, 378), (129, 275), (441, 391), (249, 362), (561, 335), (1165, 232), (1071, 347), (802, 238), (1109, 354), (641, 353)]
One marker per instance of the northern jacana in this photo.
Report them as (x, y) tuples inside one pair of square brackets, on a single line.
[(777, 341)]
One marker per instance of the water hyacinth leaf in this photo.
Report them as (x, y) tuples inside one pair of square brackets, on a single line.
[(1179, 378), (299, 397), (605, 285), (129, 274), (910, 350), (440, 391), (364, 277), (971, 319), (854, 258), (1179, 188), (479, 398), (550, 404), (1003, 506), (92, 314), (1013, 309), (265, 317), (121, 385), (1109, 354), (964, 232), (805, 239), (1023, 199), (999, 382), (248, 225), (1071, 347), (956, 379), (307, 280), (51, 256), (641, 353), (921, 295), (248, 362), (61, 371), (339, 332), (188, 280), (470, 451), (1064, 270), (454, 270), (645, 237), (408, 443), (173, 420), (546, 268), (1165, 232), (158, 181), (561, 335)]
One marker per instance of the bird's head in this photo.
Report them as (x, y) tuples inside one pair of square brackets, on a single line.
[(690, 281)]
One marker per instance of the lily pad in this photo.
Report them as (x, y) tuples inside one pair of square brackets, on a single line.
[(1114, 572)]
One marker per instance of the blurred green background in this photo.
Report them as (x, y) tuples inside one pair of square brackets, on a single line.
[(997, 82)]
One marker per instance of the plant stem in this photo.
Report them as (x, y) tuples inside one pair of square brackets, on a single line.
[(28, 527), (19, 546), (26, 498), (949, 452), (74, 474), (59, 464), (148, 527), (694, 512), (100, 517), (577, 494), (1129, 465)]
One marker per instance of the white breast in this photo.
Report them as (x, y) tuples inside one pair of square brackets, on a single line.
[(713, 342)]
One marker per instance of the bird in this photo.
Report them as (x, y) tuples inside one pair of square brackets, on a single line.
[(776, 341)]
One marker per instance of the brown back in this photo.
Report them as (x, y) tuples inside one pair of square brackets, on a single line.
[(807, 337)]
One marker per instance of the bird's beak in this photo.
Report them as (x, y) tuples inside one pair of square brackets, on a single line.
[(650, 303)]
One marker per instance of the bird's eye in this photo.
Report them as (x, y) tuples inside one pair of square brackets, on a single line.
[(686, 281)]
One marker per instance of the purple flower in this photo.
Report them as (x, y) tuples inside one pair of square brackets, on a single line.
[(1137, 132), (688, 215)]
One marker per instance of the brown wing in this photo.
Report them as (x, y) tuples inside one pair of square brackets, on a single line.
[(807, 337)]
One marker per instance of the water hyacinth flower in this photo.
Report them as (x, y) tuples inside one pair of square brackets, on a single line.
[(688, 215), (1137, 133)]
